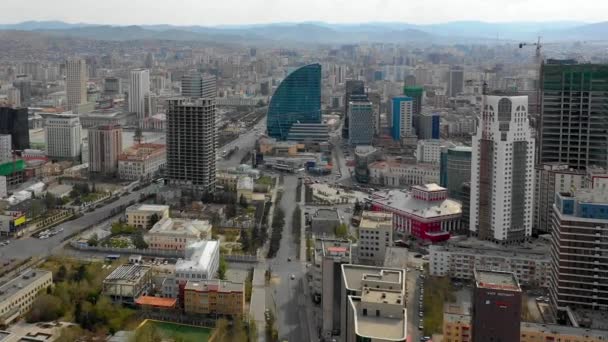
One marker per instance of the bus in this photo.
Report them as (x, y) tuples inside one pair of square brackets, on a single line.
[(112, 257)]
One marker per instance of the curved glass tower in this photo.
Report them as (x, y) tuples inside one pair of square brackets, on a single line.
[(298, 98)]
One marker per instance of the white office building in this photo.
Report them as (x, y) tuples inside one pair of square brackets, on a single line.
[(138, 89), (429, 151), (76, 82), (502, 171), (62, 135), (375, 236)]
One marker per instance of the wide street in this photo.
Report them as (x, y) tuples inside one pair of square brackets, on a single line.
[(287, 293), (33, 247), (245, 142)]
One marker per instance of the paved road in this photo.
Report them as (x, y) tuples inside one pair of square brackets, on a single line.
[(245, 143), (32, 247), (287, 293)]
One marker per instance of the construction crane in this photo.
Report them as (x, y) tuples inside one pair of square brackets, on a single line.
[(537, 44)]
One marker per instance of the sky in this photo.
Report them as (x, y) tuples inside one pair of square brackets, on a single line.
[(239, 12)]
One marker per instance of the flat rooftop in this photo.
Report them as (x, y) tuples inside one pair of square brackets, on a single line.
[(564, 330), (16, 284), (333, 248), (131, 273), (355, 275), (214, 285), (148, 207), (536, 250), (496, 280), (382, 328), (375, 219), (326, 214)]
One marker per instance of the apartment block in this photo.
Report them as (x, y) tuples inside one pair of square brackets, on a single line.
[(214, 297), (140, 215), (18, 294), (375, 236), (142, 161), (579, 251), (531, 264)]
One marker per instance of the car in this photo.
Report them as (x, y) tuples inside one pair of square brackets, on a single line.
[(289, 259), (420, 327), (293, 277)]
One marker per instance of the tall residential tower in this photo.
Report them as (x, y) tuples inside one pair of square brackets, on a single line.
[(76, 82), (139, 89), (191, 143), (502, 171)]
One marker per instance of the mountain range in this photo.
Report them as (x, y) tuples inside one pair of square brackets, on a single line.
[(325, 33)]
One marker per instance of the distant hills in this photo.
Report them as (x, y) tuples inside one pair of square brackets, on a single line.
[(324, 33)]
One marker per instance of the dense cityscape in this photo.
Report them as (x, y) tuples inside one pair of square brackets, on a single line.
[(304, 182)]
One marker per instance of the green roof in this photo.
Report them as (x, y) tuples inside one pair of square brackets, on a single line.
[(11, 167)]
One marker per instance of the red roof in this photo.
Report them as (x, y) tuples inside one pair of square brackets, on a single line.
[(336, 249), (156, 301)]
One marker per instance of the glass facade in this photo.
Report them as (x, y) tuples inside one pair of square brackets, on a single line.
[(574, 118), (297, 99)]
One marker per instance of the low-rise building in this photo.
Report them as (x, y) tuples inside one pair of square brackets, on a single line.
[(226, 180), (142, 161), (127, 283), (141, 215), (325, 222), (375, 236), (201, 261), (214, 297), (373, 304), (425, 212), (244, 188), (18, 294), (396, 174), (531, 263), (176, 234)]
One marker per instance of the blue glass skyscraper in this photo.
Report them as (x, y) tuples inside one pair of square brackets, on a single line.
[(297, 99)]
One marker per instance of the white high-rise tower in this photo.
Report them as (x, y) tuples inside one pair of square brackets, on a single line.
[(138, 89), (76, 82), (502, 171)]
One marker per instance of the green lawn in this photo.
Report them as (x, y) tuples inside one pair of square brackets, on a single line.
[(186, 333)]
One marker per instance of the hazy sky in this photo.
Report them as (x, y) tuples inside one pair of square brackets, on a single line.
[(216, 12)]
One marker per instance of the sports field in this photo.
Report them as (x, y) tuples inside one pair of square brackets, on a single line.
[(185, 333)]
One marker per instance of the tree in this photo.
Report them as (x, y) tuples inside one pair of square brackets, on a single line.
[(80, 274), (62, 272), (342, 231), (153, 219), (45, 308), (138, 241), (221, 271), (244, 238), (230, 211), (50, 201), (243, 201), (93, 240), (36, 208)]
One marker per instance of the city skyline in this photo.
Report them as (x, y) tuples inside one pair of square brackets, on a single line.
[(232, 12)]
